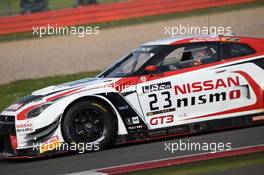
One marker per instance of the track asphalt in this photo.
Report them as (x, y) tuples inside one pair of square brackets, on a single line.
[(127, 154)]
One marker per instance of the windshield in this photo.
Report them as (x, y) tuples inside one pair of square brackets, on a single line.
[(129, 65)]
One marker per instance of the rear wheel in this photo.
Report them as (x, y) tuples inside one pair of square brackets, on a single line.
[(89, 123)]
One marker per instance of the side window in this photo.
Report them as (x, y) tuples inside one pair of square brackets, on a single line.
[(232, 50), (127, 68), (142, 58), (170, 61), (188, 56)]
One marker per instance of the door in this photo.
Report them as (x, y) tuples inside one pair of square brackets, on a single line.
[(183, 88)]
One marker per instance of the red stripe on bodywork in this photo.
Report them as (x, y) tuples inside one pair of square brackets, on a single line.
[(63, 94), (22, 114), (258, 105)]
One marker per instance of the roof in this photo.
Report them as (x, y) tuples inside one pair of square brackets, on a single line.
[(169, 41)]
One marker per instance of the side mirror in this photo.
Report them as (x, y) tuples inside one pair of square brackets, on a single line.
[(151, 68)]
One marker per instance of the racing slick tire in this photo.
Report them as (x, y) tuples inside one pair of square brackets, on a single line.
[(89, 122)]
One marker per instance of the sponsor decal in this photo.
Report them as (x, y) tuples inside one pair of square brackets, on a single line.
[(161, 111), (136, 127), (123, 107), (132, 121), (129, 121), (162, 120), (24, 128), (258, 118), (208, 98), (208, 85), (135, 120), (156, 87), (205, 38), (50, 144)]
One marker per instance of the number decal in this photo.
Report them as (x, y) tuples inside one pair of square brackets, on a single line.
[(155, 100), (168, 100), (151, 103)]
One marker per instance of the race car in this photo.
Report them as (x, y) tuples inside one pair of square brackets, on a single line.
[(170, 87)]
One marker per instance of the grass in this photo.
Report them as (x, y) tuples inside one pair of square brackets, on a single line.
[(209, 166), (15, 90), (147, 19)]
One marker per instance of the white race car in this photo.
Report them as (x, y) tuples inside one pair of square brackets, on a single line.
[(164, 88)]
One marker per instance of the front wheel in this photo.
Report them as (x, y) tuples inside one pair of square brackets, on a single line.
[(89, 123)]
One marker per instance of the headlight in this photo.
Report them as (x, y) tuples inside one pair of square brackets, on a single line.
[(38, 110)]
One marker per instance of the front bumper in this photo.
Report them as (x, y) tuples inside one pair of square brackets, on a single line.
[(8, 140), (9, 144), (7, 130)]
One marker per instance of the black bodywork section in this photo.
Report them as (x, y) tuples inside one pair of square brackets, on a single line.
[(7, 128), (127, 113)]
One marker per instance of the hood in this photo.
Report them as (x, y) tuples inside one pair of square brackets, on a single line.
[(59, 91), (71, 85)]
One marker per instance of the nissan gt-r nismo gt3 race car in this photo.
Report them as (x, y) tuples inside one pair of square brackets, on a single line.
[(164, 88)]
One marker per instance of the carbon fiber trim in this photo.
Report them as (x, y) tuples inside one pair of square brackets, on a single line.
[(127, 113), (7, 125)]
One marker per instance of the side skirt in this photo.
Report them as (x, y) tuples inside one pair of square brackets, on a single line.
[(194, 128)]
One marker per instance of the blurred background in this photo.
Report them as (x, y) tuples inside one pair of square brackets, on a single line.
[(13, 7)]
